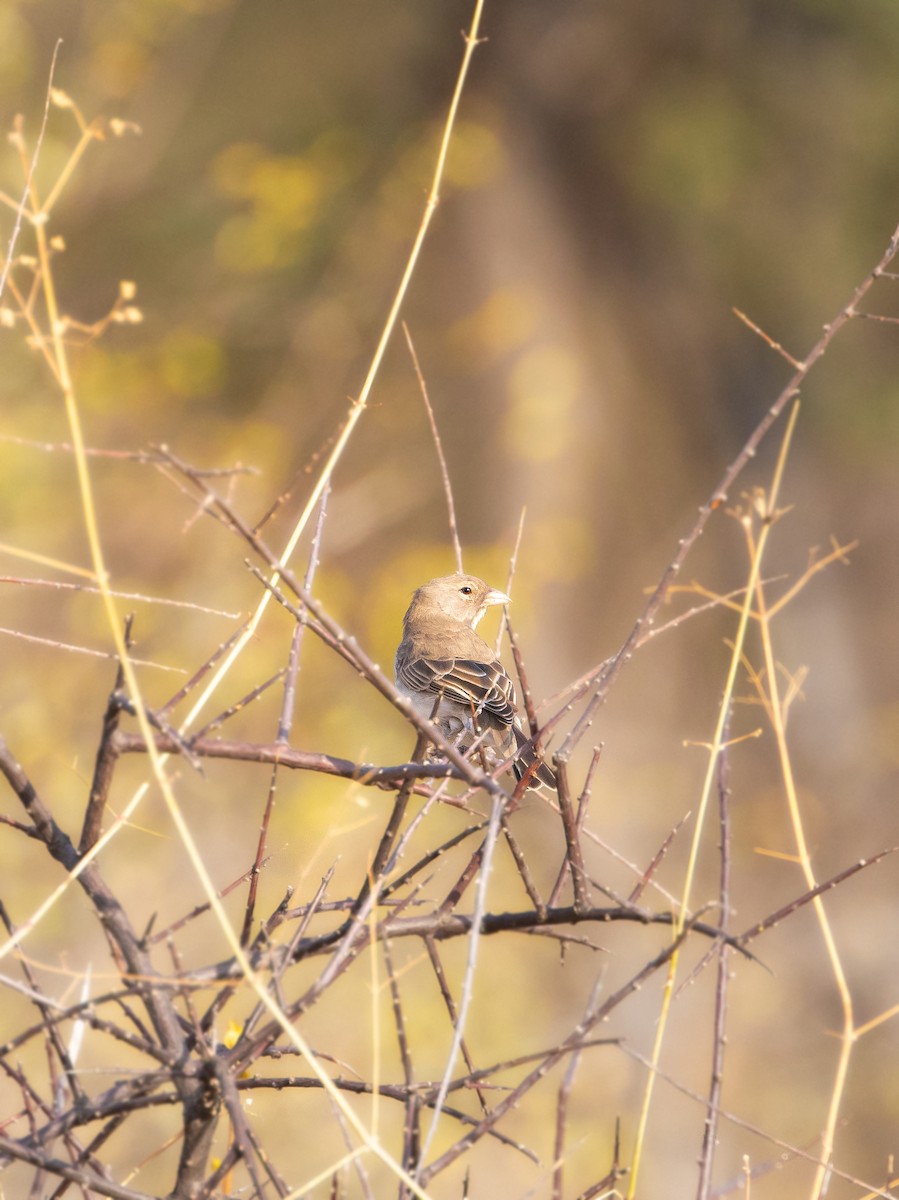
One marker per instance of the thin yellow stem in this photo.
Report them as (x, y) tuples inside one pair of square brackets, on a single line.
[(87, 136), (715, 749), (878, 1020), (837, 554), (46, 560), (778, 714), (325, 1176)]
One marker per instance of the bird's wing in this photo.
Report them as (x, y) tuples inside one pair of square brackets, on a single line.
[(485, 686)]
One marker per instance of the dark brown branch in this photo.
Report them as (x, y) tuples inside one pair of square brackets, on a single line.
[(199, 1104), (425, 1093), (522, 866), (445, 924), (104, 762), (57, 842), (54, 1166), (775, 918), (574, 854), (411, 1123), (387, 778)]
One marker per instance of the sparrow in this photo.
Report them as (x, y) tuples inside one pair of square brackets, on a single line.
[(455, 679)]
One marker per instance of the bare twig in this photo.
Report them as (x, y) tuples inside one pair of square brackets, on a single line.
[(787, 910), (450, 1005), (438, 446), (574, 855), (104, 763)]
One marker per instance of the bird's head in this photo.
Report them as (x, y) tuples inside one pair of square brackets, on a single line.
[(463, 598)]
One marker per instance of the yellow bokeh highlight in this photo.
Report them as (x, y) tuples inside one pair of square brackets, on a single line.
[(281, 195), (287, 191), (191, 364), (501, 324), (543, 387), (246, 244)]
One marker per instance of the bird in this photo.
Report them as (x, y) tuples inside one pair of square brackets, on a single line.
[(456, 680)]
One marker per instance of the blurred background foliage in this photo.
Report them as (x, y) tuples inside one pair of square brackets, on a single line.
[(622, 176)]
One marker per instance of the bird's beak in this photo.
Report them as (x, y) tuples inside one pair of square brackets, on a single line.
[(495, 597)]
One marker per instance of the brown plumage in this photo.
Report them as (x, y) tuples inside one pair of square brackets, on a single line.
[(441, 662)]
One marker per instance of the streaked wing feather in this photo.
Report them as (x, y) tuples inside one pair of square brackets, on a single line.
[(423, 674), (486, 686)]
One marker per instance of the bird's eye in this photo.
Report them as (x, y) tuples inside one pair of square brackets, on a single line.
[(465, 590)]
